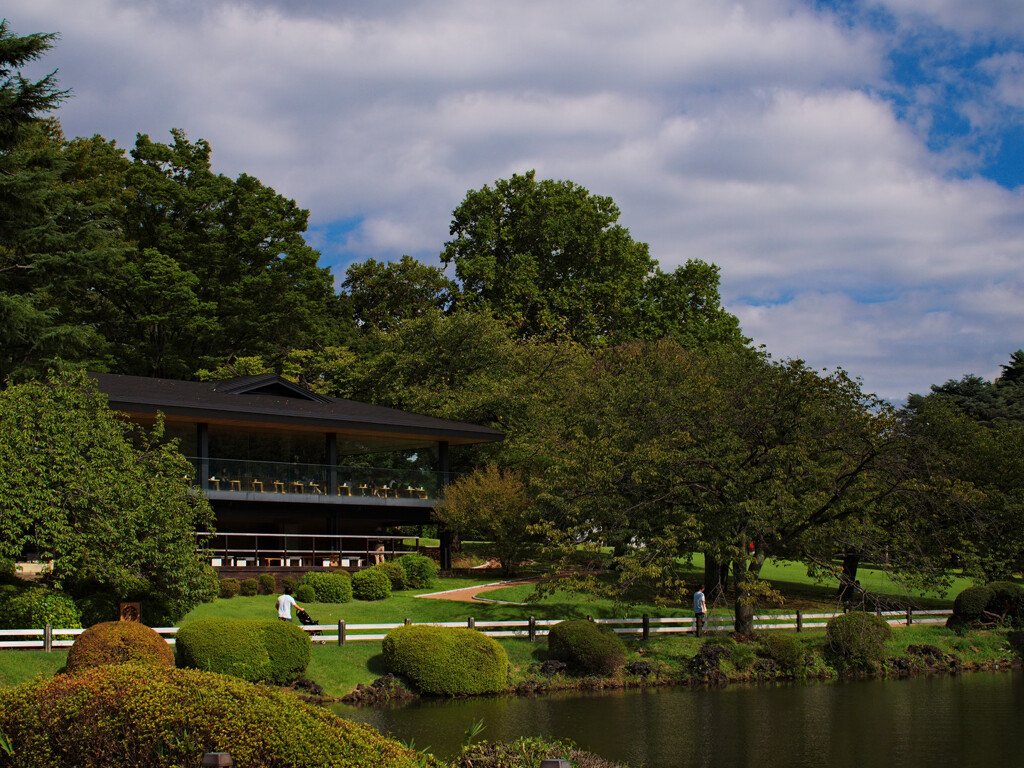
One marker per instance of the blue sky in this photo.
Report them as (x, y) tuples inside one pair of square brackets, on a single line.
[(854, 168)]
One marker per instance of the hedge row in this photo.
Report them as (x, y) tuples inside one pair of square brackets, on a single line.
[(270, 651), (445, 661)]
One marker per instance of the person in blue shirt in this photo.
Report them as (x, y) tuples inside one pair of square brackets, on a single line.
[(700, 608)]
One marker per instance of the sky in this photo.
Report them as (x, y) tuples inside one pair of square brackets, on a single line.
[(853, 167)]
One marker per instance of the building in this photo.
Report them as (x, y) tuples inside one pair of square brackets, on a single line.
[(297, 479)]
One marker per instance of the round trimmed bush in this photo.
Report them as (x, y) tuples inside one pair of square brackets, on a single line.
[(394, 572), (289, 582), (268, 584), (420, 570), (119, 642), (785, 650), (445, 661), (272, 651), (329, 587), (1007, 601), (305, 594), (371, 585), (174, 716), (249, 587), (586, 646), (858, 637), (229, 588), (970, 604)]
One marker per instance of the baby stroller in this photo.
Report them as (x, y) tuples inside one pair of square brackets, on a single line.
[(308, 621)]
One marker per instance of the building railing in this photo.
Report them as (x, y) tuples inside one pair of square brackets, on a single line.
[(529, 628), (297, 479), (297, 550)]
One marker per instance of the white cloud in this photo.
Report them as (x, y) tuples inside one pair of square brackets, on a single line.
[(748, 134)]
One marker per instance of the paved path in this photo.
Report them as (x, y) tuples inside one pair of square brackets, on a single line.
[(468, 595)]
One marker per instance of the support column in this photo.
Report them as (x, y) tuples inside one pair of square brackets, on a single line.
[(203, 443), (443, 533), (332, 464)]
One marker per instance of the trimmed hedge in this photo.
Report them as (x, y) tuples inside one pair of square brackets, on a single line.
[(249, 587), (786, 651), (1007, 601), (999, 601), (119, 642), (371, 585), (270, 651), (329, 587), (445, 661), (229, 588), (420, 570), (586, 646), (35, 607), (305, 594), (970, 604), (394, 572), (152, 718), (268, 584), (858, 637)]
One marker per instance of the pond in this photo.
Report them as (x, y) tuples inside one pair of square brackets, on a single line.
[(969, 720)]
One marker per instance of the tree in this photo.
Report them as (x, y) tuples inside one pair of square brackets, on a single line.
[(383, 295), (110, 505), (494, 504), (983, 400), (549, 259)]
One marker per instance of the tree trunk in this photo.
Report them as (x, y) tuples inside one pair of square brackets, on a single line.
[(716, 577), (848, 578)]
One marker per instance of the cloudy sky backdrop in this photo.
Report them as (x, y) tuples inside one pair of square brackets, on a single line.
[(851, 166)]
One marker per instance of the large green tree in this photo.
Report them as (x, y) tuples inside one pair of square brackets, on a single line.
[(107, 503), (383, 295), (549, 259)]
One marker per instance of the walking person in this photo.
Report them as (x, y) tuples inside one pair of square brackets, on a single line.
[(700, 609), (284, 605)]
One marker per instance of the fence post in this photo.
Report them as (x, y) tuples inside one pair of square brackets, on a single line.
[(799, 620), (471, 623), (647, 627), (341, 631), (909, 612), (532, 630), (408, 622), (48, 638), (699, 621), (589, 617)]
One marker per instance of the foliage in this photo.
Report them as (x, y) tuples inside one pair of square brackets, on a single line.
[(384, 295), (37, 606), (119, 642), (970, 604), (248, 587), (858, 638), (173, 717), (229, 588), (289, 582), (527, 752), (329, 587), (1007, 601), (445, 661), (394, 572), (106, 502), (305, 593), (786, 650), (493, 503), (420, 570), (371, 585), (98, 607), (586, 646), (272, 651), (268, 584), (548, 258)]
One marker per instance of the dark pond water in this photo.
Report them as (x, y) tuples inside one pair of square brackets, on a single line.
[(973, 720)]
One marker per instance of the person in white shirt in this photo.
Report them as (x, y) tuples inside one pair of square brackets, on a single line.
[(284, 605), (700, 609)]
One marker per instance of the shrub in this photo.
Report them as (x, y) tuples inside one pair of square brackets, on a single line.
[(98, 607), (229, 588), (289, 582), (743, 656), (119, 642), (858, 637), (35, 607), (445, 661), (1007, 601), (268, 651), (1016, 640), (305, 594), (586, 646), (328, 587), (420, 570), (268, 584), (970, 604), (174, 716), (394, 572), (527, 752), (249, 587), (785, 650), (371, 585)]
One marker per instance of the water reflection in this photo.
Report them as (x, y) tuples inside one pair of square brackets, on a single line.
[(941, 721)]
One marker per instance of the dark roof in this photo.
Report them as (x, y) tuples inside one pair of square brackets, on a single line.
[(274, 401)]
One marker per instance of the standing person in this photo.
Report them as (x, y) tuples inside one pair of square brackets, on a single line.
[(284, 605), (700, 609)]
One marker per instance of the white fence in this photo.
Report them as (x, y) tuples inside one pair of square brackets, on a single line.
[(48, 638)]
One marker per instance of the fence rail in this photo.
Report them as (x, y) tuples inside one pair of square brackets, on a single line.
[(48, 637)]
